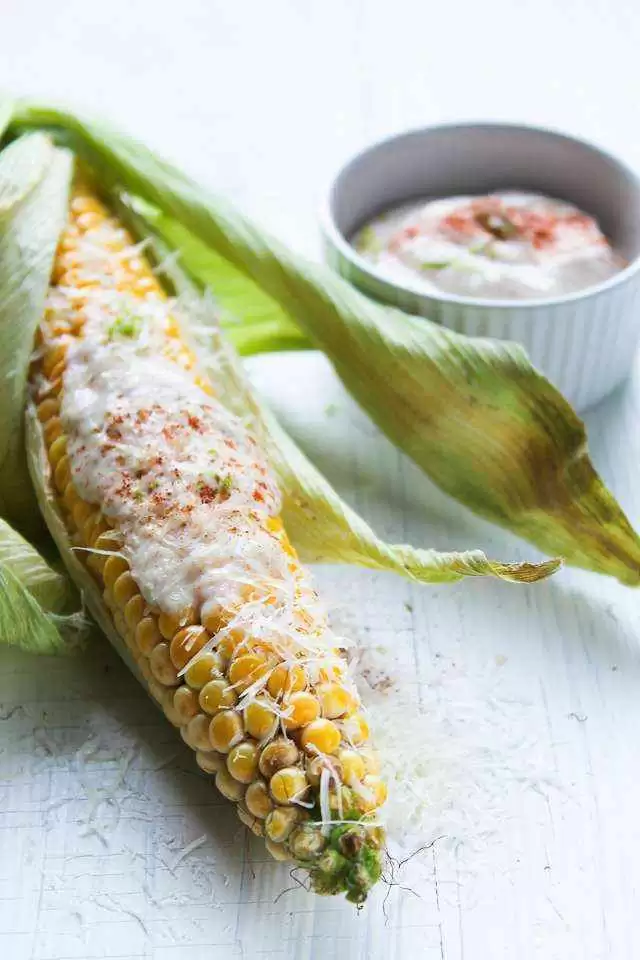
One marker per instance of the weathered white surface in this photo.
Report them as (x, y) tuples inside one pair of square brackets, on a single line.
[(532, 694)]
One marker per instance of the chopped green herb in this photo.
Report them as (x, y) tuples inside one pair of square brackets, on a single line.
[(138, 495), (226, 483), (435, 265), (125, 325), (367, 241)]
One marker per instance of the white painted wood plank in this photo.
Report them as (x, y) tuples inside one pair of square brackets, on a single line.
[(532, 692)]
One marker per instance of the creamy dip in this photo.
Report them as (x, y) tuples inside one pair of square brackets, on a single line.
[(511, 245)]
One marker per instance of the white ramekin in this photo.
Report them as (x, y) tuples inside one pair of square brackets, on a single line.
[(584, 342)]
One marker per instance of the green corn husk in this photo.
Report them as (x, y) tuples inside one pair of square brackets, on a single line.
[(474, 414)]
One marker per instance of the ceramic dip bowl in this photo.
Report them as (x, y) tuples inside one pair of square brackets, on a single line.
[(583, 341)]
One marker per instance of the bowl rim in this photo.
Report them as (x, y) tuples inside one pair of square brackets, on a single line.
[(344, 248)]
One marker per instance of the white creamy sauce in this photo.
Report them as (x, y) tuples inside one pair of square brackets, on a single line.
[(507, 245), (179, 476)]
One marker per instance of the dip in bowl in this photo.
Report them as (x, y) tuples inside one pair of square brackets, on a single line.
[(501, 231)]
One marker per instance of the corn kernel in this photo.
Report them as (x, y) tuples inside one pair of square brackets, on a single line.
[(196, 732), (306, 842), (288, 785), (204, 668), (352, 764), (277, 850), (371, 760), (210, 761), (81, 513), (335, 701), (246, 669), (280, 822), (212, 616), (228, 787), (286, 680), (114, 567), (134, 611), (225, 731), (186, 643), (124, 589), (276, 755), (320, 736), (47, 409), (57, 450), (376, 793), (260, 720), (257, 799), (315, 765), (242, 762), (170, 623), (52, 430), (62, 473), (161, 666), (303, 709), (147, 635), (185, 703), (250, 821), (217, 695), (355, 729)]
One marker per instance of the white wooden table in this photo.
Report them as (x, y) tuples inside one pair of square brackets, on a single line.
[(110, 845)]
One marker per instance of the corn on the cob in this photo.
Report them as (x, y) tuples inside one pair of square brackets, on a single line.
[(177, 513)]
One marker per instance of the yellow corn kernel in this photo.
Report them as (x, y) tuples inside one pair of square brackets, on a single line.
[(185, 703), (186, 643), (228, 787), (355, 729), (124, 589), (225, 731), (370, 759), (277, 850), (147, 635), (114, 567), (280, 822), (212, 616), (246, 669), (375, 795), (217, 695), (53, 357), (57, 450), (169, 710), (352, 764), (320, 736), (47, 409), (288, 785), (170, 623), (196, 732), (161, 666), (134, 611), (276, 755), (144, 668), (204, 668), (259, 720), (228, 645), (210, 761), (286, 680), (250, 821), (57, 373), (315, 765), (257, 799), (81, 513), (306, 842), (242, 762), (93, 528), (303, 709), (335, 701), (52, 430), (62, 474)]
